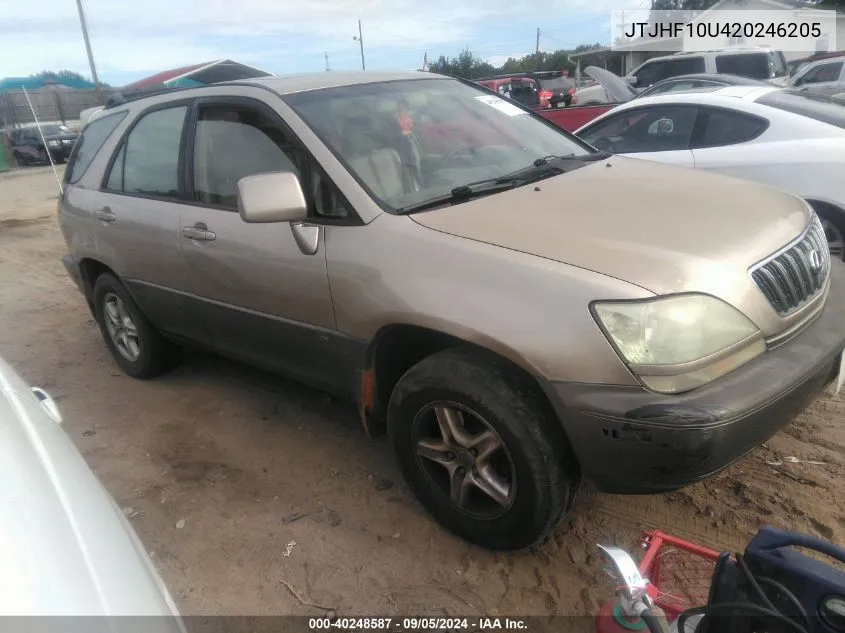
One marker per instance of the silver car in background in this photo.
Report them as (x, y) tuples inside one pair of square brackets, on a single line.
[(67, 548)]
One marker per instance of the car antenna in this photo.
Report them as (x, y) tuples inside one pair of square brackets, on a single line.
[(43, 140)]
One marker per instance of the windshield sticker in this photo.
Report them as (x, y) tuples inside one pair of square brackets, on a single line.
[(501, 105)]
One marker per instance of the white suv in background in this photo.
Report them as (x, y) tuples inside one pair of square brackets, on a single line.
[(755, 63)]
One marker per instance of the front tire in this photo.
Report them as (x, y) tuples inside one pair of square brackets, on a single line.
[(135, 344), (473, 440)]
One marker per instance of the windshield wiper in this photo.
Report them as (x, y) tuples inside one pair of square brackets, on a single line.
[(540, 168)]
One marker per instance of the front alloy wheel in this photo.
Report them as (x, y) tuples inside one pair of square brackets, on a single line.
[(480, 449), (465, 458)]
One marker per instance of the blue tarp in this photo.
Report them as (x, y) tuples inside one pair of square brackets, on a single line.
[(34, 83)]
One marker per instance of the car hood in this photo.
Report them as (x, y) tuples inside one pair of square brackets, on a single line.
[(67, 548), (614, 85), (666, 229)]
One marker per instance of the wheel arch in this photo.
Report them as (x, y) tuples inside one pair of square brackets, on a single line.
[(397, 347), (89, 270)]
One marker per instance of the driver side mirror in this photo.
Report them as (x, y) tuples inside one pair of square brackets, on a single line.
[(631, 80), (272, 197)]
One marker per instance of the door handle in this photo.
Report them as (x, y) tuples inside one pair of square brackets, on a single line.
[(105, 216), (199, 233)]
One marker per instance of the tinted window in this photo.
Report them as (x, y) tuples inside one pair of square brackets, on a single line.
[(652, 129), (664, 69), (818, 107), (149, 158), (724, 127), (233, 142), (650, 73), (558, 84), (92, 139), (747, 65), (821, 73)]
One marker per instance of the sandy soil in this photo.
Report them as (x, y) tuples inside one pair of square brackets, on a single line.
[(255, 465)]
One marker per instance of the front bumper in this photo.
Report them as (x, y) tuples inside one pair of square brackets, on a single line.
[(631, 440)]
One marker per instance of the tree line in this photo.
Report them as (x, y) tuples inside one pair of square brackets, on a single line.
[(468, 65)]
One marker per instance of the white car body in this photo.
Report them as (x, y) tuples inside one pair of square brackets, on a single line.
[(67, 549), (797, 153)]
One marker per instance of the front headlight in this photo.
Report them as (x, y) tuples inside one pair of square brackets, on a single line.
[(678, 343), (54, 143)]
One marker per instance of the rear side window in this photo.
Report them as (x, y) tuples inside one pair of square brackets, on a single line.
[(148, 162), (755, 66), (815, 106), (725, 127), (93, 136)]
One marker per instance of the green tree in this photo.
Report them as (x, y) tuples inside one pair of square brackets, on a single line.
[(65, 74)]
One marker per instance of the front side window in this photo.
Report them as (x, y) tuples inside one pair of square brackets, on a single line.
[(233, 142), (92, 139), (724, 127), (412, 141), (148, 161), (651, 129)]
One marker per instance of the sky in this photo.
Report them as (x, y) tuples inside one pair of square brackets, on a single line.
[(132, 39)]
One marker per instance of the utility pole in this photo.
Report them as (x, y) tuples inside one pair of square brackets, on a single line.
[(97, 85), (537, 49), (360, 39), (327, 62)]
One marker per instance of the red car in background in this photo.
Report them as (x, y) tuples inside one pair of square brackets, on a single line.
[(536, 89), (550, 94)]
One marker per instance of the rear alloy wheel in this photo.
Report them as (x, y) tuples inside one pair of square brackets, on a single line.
[(135, 344), (476, 445)]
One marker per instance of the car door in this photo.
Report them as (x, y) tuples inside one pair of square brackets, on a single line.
[(136, 218), (823, 78), (658, 132), (264, 288), (724, 142)]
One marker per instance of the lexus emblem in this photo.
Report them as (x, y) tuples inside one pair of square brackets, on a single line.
[(815, 261)]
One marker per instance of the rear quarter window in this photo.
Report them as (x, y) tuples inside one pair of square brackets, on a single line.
[(815, 106), (95, 134)]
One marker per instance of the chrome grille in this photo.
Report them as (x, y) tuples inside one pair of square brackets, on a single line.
[(796, 275)]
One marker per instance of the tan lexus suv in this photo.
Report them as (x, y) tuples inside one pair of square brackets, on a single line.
[(513, 308)]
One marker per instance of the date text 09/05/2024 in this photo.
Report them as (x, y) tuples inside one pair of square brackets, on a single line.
[(415, 624)]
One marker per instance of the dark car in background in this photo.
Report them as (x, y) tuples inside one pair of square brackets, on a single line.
[(554, 89), (699, 82), (28, 146)]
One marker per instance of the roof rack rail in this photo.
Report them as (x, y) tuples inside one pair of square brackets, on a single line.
[(125, 96)]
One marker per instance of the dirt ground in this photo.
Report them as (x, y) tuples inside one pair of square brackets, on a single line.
[(289, 509)]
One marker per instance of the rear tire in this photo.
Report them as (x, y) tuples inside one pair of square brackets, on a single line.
[(43, 156), (140, 350), (507, 499)]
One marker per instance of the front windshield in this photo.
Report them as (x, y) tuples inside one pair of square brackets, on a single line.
[(411, 141)]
